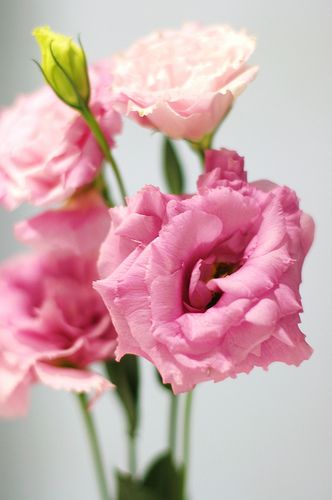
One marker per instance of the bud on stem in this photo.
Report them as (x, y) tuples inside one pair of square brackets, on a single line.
[(64, 66)]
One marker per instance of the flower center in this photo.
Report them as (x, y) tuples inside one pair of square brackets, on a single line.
[(202, 292), (220, 270)]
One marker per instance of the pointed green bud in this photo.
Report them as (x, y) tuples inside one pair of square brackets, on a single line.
[(64, 66)]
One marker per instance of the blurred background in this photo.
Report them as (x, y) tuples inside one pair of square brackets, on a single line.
[(266, 436)]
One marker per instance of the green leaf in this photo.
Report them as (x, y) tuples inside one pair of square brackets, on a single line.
[(172, 168), (164, 478), (131, 489), (163, 481), (125, 376)]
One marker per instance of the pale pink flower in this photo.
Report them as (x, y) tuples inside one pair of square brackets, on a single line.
[(47, 151), (183, 82), (208, 287), (53, 324)]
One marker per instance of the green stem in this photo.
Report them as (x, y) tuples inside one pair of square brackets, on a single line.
[(104, 189), (201, 155), (186, 441), (201, 146), (95, 449), (132, 454), (99, 135), (173, 424)]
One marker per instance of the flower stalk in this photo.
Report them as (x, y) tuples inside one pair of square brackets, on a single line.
[(199, 147), (186, 441), (100, 138), (95, 447), (172, 431)]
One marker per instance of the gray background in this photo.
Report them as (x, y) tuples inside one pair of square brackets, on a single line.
[(266, 436)]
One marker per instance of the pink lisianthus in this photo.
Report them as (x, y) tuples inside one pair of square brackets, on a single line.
[(53, 324), (47, 151), (183, 82), (208, 287)]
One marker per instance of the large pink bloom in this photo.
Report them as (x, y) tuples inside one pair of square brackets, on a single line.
[(183, 82), (208, 287), (53, 324), (46, 149)]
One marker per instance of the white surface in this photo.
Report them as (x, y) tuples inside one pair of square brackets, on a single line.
[(266, 436)]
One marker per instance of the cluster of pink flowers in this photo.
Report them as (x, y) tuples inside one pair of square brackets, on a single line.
[(203, 285)]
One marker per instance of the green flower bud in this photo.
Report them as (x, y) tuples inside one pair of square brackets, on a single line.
[(64, 66)]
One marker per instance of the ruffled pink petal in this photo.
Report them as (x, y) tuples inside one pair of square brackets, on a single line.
[(67, 229), (308, 232), (71, 379), (15, 381)]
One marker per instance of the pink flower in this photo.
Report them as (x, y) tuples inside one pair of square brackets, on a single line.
[(53, 324), (208, 287), (183, 82), (46, 149)]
